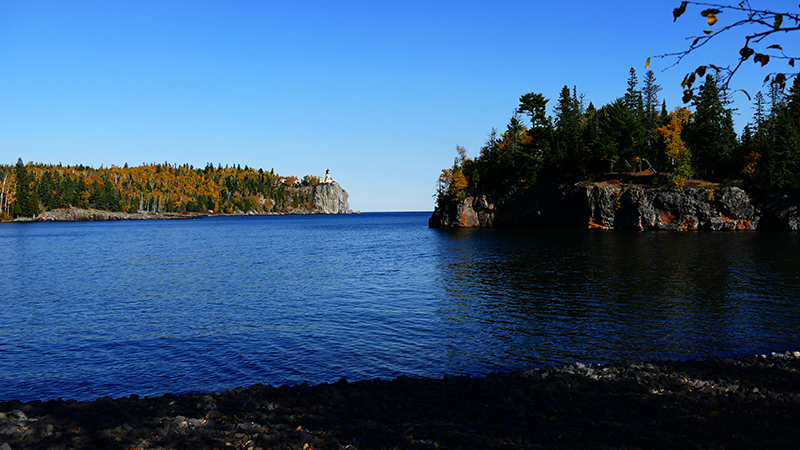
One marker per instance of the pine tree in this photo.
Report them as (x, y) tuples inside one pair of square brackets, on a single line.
[(538, 150), (710, 134)]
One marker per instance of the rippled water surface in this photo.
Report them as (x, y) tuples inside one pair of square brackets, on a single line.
[(149, 307)]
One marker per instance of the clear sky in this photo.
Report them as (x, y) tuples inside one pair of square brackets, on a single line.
[(379, 92)]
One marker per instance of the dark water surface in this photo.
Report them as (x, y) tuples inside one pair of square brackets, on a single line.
[(149, 307)]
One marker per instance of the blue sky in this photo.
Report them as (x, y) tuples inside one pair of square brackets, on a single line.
[(379, 92)]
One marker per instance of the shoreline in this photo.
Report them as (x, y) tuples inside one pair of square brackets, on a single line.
[(97, 215), (746, 402)]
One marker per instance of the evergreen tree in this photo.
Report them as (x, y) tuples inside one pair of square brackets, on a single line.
[(787, 141), (760, 114), (651, 118), (568, 130), (710, 134), (775, 98), (633, 97), (23, 192), (619, 133), (593, 161), (664, 113), (538, 151)]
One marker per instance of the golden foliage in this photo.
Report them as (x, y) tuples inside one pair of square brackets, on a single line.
[(163, 187), (675, 149)]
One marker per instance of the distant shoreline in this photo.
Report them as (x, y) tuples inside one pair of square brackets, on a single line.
[(98, 215)]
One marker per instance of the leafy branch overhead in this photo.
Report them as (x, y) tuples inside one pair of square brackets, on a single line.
[(759, 26)]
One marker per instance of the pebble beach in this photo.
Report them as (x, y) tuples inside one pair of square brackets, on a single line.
[(717, 403)]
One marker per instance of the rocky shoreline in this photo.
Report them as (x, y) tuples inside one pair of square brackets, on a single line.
[(617, 205), (92, 215), (749, 402)]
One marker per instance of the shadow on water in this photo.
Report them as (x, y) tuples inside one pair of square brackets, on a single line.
[(553, 296)]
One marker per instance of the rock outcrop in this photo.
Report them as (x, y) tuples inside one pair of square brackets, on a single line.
[(330, 198), (606, 206)]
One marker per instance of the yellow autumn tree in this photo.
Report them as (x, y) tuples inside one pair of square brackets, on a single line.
[(679, 157)]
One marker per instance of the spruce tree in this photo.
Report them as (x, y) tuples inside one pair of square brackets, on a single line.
[(651, 119), (710, 134), (568, 129)]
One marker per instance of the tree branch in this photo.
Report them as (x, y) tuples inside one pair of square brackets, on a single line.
[(759, 17)]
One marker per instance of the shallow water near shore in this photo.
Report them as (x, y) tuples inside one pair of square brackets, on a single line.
[(148, 307)]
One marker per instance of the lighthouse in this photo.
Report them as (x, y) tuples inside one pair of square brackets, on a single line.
[(328, 179)]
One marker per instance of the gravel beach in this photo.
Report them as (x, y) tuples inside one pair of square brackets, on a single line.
[(749, 402)]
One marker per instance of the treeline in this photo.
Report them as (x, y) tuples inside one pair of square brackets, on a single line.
[(29, 189), (635, 133)]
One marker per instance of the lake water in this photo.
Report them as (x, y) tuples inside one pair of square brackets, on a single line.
[(149, 307)]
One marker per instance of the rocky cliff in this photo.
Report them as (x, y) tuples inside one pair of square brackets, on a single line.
[(605, 206), (331, 199)]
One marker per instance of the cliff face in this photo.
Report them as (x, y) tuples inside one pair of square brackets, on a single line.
[(331, 199), (628, 207)]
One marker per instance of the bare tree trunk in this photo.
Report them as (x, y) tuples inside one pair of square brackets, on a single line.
[(3, 192)]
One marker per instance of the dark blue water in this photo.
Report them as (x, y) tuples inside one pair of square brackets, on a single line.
[(149, 307)]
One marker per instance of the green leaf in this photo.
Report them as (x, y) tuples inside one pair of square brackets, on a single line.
[(778, 21), (746, 52), (677, 12)]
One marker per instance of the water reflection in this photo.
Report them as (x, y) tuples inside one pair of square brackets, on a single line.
[(549, 296), (97, 309)]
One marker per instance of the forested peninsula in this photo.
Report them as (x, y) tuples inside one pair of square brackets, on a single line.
[(35, 191), (631, 164)]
